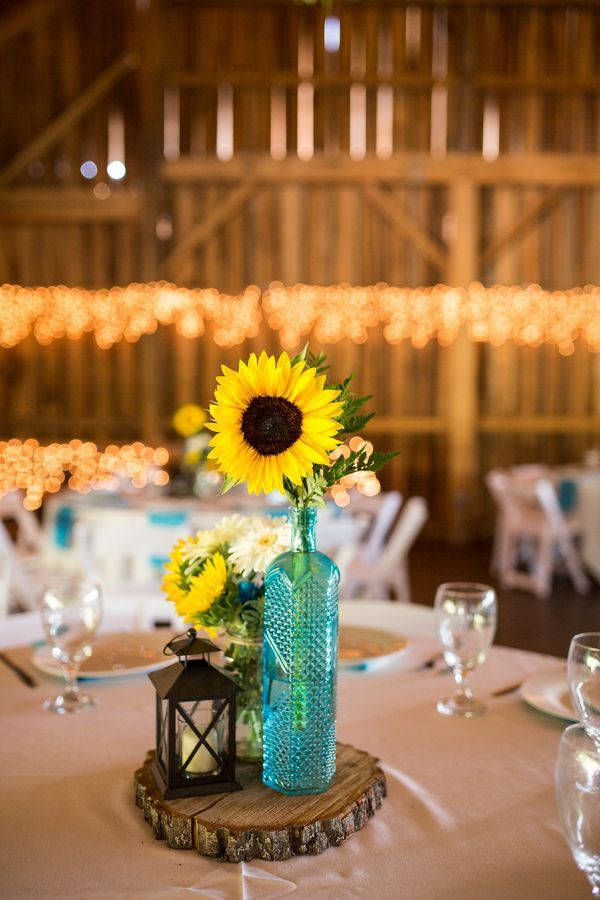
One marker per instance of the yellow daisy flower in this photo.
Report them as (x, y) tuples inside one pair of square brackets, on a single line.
[(204, 589), (189, 419), (271, 420)]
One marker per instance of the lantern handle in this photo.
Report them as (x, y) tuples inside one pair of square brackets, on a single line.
[(169, 650)]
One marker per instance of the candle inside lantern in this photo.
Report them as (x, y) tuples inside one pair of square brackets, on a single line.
[(203, 761)]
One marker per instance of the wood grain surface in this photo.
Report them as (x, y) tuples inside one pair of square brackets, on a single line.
[(261, 823)]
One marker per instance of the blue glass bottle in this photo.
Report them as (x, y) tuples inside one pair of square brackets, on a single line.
[(300, 664)]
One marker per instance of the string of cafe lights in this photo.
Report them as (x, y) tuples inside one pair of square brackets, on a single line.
[(529, 316), (38, 470), (125, 313)]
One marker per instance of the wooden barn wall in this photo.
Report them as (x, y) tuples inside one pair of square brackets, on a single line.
[(203, 95)]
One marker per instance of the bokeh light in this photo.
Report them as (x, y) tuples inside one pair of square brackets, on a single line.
[(528, 316), (89, 169), (38, 470)]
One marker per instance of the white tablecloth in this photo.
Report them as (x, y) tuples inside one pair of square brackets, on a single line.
[(470, 811)]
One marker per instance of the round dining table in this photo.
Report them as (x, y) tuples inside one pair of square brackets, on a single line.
[(470, 810)]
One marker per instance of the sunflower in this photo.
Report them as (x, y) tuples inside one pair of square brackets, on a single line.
[(204, 589), (272, 420), (189, 419)]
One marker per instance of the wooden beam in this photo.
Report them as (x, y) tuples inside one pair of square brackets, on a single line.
[(402, 222), (567, 169), (394, 3), (25, 16), (205, 229), (408, 81), (61, 124), (539, 424), (536, 212), (406, 425), (460, 370), (67, 205)]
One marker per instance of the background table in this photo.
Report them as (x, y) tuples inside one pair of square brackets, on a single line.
[(470, 811), (126, 539)]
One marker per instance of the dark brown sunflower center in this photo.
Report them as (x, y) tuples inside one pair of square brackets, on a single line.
[(271, 425)]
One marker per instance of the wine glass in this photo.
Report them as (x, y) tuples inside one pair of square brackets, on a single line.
[(584, 679), (71, 611), (465, 615), (578, 799)]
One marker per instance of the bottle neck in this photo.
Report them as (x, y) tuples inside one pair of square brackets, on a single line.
[(303, 522)]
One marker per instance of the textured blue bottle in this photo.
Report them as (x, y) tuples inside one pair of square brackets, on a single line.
[(300, 664)]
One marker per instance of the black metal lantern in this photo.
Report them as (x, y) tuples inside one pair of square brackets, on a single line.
[(195, 722)]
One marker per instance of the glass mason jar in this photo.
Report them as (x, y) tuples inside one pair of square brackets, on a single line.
[(244, 660), (300, 664)]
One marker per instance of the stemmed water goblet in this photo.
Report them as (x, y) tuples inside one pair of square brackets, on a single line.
[(465, 615), (71, 611), (578, 799), (583, 670)]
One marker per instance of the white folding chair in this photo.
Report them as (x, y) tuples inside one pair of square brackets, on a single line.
[(532, 535), (374, 543), (29, 533), (390, 571), (375, 517), (19, 584)]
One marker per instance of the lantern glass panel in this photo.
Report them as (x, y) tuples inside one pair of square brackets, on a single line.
[(210, 718), (163, 712)]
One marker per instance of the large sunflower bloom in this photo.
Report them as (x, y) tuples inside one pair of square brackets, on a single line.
[(271, 420), (204, 589)]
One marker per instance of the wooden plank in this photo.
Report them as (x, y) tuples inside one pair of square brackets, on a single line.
[(184, 349), (415, 168), (26, 16), (206, 228), (415, 82), (63, 122), (405, 225), (461, 371), (516, 229), (290, 219), (67, 205), (567, 424), (394, 424)]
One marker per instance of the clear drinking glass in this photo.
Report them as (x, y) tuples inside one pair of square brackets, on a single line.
[(578, 798), (71, 611), (584, 679), (465, 615)]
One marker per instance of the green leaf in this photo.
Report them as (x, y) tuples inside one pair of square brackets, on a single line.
[(300, 356), (228, 483)]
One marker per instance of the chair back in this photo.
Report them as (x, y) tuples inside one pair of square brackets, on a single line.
[(549, 503), (29, 533), (375, 541), (530, 471), (410, 522)]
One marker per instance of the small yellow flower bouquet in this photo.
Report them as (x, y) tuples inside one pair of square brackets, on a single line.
[(189, 419), (215, 578), (216, 581)]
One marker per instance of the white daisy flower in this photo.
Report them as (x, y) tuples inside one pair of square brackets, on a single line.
[(265, 539), (199, 547), (232, 528)]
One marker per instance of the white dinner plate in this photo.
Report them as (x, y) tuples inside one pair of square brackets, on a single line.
[(114, 655), (549, 692), (362, 647)]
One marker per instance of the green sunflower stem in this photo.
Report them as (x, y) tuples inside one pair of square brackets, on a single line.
[(244, 663)]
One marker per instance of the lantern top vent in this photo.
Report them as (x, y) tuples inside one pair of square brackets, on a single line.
[(192, 676)]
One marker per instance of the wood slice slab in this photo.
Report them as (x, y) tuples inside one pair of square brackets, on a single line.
[(261, 823)]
